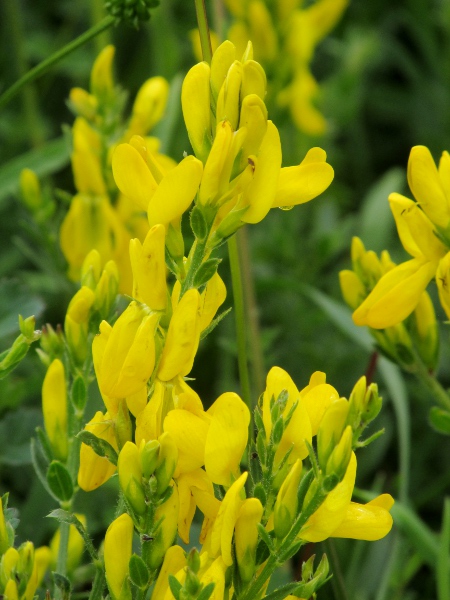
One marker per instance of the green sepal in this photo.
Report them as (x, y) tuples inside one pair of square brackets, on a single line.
[(60, 481), (175, 587), (439, 420), (214, 323), (207, 591), (100, 447), (198, 222), (79, 393)]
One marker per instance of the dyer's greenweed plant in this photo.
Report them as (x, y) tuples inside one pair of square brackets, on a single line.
[(266, 480), (391, 299)]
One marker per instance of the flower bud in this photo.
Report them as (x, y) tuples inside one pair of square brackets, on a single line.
[(167, 462), (149, 453), (331, 429), (102, 83), (125, 362), (195, 101), (340, 456), (8, 565), (217, 171), (76, 324), (148, 108), (117, 552), (52, 341), (11, 592), (106, 289), (30, 190), (228, 101), (4, 537), (246, 537), (174, 561), (372, 404), (122, 424), (286, 505), (54, 407), (82, 103), (42, 557), (91, 269), (130, 477), (25, 564), (352, 288), (167, 515), (94, 470)]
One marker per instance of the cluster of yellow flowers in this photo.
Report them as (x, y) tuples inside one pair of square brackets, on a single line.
[(285, 35), (261, 499)]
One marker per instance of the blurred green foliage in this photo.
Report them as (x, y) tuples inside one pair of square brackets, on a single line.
[(386, 87)]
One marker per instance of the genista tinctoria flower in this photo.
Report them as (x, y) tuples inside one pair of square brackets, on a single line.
[(99, 217)]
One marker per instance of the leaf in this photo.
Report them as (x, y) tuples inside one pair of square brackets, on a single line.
[(40, 465), (214, 323), (60, 481), (99, 446), (46, 159), (207, 591), (440, 420), (63, 584), (175, 586), (139, 573), (206, 271), (63, 516)]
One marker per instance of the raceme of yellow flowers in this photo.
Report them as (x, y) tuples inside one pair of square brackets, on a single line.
[(260, 499), (285, 34)]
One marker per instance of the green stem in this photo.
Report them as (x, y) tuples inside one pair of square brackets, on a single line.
[(44, 66), (238, 296), (442, 574), (433, 385), (203, 28), (61, 565), (99, 583)]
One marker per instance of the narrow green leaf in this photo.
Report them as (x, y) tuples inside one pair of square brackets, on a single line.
[(214, 323), (207, 591), (40, 465), (440, 420), (99, 446), (63, 516), (60, 481), (63, 584), (139, 573), (175, 586), (206, 271)]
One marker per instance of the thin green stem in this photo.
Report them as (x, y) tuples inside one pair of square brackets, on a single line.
[(99, 583), (239, 311), (442, 574), (61, 564), (203, 28), (433, 385), (45, 65)]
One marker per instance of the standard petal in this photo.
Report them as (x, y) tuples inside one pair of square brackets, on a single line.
[(369, 522), (132, 176)]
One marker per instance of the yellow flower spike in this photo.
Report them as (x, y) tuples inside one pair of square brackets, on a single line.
[(229, 95), (166, 532), (174, 561), (42, 558), (149, 423), (262, 31), (167, 462), (76, 324), (331, 429), (137, 402), (149, 105), (11, 591), (261, 192), (130, 477), (227, 438), (370, 521), (129, 355), (352, 288), (223, 528), (286, 505), (30, 189), (254, 118), (396, 295), (83, 103), (4, 538), (333, 510), (189, 432), (246, 537), (222, 59), (425, 184), (175, 192), (212, 297), (217, 169), (195, 102), (303, 183), (102, 83), (443, 283), (299, 428), (415, 229), (194, 489), (86, 166), (117, 553), (254, 80), (149, 269), (216, 574), (94, 470), (182, 338), (75, 547), (132, 175), (54, 407)]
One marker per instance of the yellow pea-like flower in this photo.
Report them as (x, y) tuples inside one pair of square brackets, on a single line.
[(286, 505), (117, 553), (124, 364), (54, 407), (86, 165), (30, 189), (130, 477), (167, 530), (76, 324), (182, 339), (217, 171), (212, 297), (42, 558), (246, 536), (132, 175), (94, 470), (11, 592), (149, 269), (83, 103), (4, 538), (227, 438), (194, 489), (216, 574), (174, 561), (9, 562), (149, 106), (195, 102), (102, 82), (371, 521), (299, 428), (222, 59), (229, 95), (352, 288), (223, 528), (189, 431)]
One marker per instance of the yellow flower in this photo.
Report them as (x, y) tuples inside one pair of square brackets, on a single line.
[(167, 515), (286, 505), (124, 355), (76, 324), (54, 407), (246, 536), (94, 470), (42, 558), (149, 106), (149, 269), (117, 552), (4, 538), (174, 561)]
